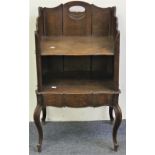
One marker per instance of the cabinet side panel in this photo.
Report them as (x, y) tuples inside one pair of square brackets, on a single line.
[(114, 24), (53, 21), (101, 21), (38, 61), (116, 61)]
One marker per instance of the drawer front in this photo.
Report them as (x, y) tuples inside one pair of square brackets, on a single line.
[(53, 100), (77, 100), (102, 99)]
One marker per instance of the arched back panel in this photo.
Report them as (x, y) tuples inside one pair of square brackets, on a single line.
[(77, 22), (53, 21), (77, 18), (101, 21)]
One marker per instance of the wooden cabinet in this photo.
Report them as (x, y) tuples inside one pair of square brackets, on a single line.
[(77, 55)]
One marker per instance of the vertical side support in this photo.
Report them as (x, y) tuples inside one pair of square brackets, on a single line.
[(39, 107), (38, 34), (113, 22), (38, 61), (116, 36), (116, 61), (40, 25)]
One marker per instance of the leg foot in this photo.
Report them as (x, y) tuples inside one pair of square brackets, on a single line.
[(111, 114), (36, 117), (39, 148), (117, 122), (116, 147), (44, 115)]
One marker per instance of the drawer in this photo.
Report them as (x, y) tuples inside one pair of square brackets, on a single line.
[(102, 99), (77, 100), (53, 100)]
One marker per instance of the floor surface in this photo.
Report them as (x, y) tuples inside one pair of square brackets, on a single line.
[(77, 138)]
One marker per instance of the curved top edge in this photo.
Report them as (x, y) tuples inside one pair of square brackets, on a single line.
[(51, 7), (102, 7), (77, 3)]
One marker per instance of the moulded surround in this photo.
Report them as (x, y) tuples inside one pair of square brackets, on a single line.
[(77, 8)]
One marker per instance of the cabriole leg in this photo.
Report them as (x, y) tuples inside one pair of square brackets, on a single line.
[(44, 114), (38, 125), (111, 114), (117, 122)]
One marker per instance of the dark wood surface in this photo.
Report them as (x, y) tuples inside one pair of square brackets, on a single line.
[(77, 67), (77, 23), (77, 57), (79, 86), (101, 19), (77, 45), (52, 19)]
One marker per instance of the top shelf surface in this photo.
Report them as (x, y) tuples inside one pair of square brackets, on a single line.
[(77, 45)]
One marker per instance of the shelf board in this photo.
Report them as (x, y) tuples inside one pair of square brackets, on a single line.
[(77, 45), (79, 86)]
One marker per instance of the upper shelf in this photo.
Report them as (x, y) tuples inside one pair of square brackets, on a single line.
[(77, 45)]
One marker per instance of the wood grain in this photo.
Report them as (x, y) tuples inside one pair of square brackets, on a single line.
[(77, 45), (53, 21), (101, 21), (73, 26), (82, 86)]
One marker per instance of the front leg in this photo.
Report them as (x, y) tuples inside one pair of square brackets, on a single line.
[(44, 114), (111, 114), (117, 122), (36, 117)]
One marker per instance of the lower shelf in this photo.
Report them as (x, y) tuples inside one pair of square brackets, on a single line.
[(78, 93), (79, 86)]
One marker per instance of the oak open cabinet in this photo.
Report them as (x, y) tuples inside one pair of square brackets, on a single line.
[(77, 56)]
